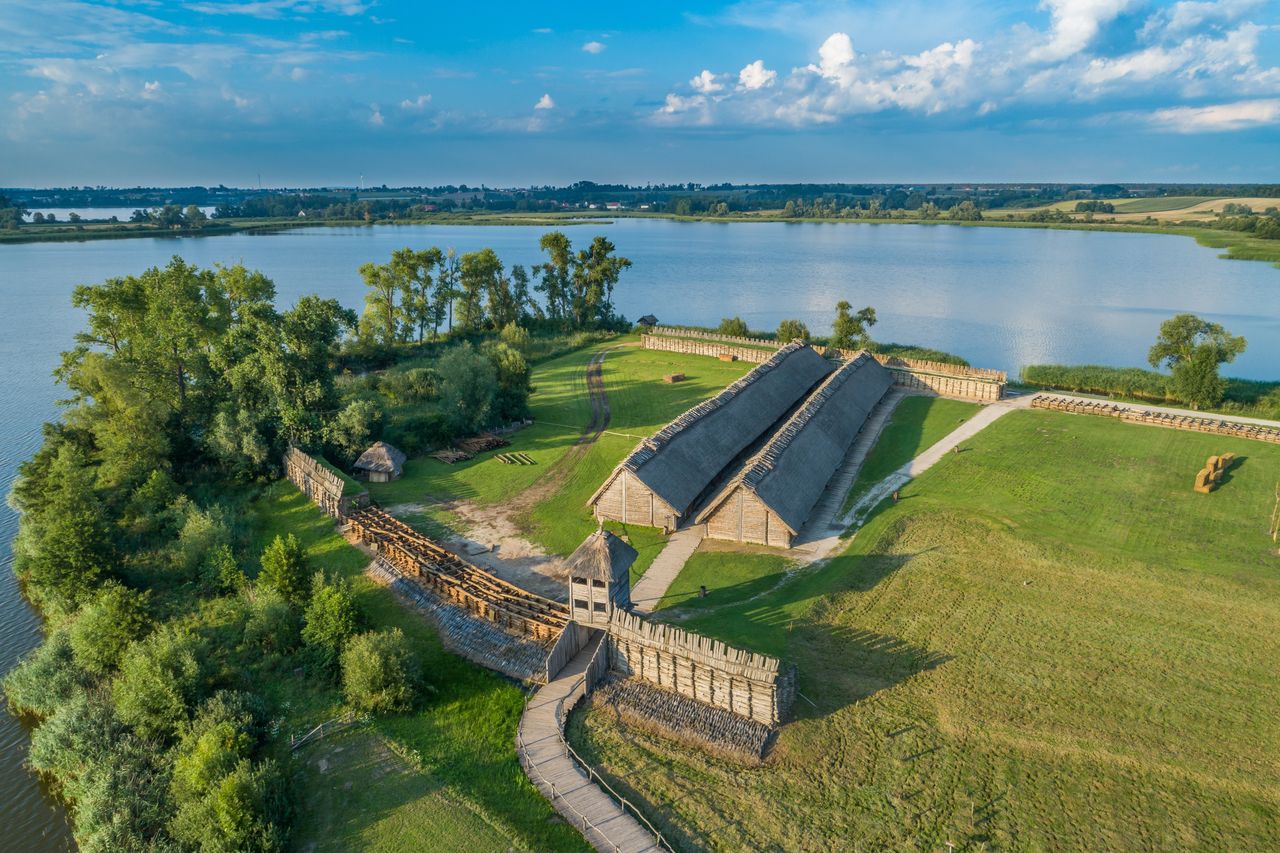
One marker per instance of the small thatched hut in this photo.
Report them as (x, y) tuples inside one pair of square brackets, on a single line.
[(664, 476), (770, 499), (648, 321), (381, 463), (599, 575)]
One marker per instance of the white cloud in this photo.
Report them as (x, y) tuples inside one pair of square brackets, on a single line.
[(276, 9), (543, 31), (298, 74), (375, 116), (1240, 115), (706, 83), (1189, 15), (415, 105), (545, 103), (1075, 24), (594, 47), (755, 76)]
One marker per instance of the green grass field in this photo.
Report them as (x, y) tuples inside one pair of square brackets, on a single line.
[(640, 403), (728, 573), (1050, 643), (916, 425), (466, 776)]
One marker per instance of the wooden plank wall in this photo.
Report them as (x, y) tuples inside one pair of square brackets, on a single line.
[(632, 502), (743, 517), (751, 685), (321, 485), (947, 380)]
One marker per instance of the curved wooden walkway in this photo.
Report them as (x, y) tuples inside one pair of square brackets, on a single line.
[(543, 752)]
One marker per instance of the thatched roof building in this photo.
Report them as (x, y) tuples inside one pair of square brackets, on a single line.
[(658, 483), (648, 320), (380, 463), (769, 500), (599, 577)]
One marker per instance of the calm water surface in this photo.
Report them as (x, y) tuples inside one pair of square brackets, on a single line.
[(1000, 297)]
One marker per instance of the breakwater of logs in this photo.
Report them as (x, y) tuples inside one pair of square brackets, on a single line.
[(458, 582), (1214, 425), (461, 632), (683, 718)]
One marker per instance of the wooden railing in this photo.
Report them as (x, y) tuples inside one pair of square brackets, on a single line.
[(324, 729)]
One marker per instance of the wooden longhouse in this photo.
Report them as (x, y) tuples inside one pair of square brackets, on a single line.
[(769, 500), (662, 479)]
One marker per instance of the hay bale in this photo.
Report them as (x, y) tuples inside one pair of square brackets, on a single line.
[(672, 378), (1204, 481)]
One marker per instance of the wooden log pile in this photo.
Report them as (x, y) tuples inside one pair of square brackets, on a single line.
[(1213, 425), (470, 587), (670, 713), (480, 443), (451, 456), (515, 459), (477, 640)]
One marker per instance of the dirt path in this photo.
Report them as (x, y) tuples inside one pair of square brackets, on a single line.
[(557, 473)]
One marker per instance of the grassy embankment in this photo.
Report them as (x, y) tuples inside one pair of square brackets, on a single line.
[(444, 777), (551, 495), (1051, 642)]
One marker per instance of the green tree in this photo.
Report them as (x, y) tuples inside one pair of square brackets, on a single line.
[(355, 427), (850, 331), (446, 291), (480, 274), (511, 401), (553, 275), (284, 568), (331, 619), (792, 330), (1194, 349), (159, 681), (468, 386), (413, 269), (107, 626), (384, 319), (734, 327), (595, 275), (380, 673)]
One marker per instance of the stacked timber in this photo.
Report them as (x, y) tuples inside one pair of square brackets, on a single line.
[(480, 443), (1169, 420), (644, 705), (477, 640), (470, 587)]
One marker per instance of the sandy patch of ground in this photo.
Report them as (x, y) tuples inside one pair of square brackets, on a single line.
[(492, 541)]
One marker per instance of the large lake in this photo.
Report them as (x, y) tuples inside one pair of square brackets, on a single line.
[(1000, 297)]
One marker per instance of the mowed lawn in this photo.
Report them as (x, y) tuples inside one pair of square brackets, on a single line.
[(463, 787), (640, 403), (916, 424), (1050, 643)]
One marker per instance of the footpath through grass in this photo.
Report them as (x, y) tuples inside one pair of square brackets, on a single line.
[(1051, 642), (463, 775), (917, 424)]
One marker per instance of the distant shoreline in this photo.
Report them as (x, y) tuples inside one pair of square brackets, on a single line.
[(1237, 245)]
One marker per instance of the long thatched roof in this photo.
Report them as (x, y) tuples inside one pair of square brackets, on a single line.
[(683, 458), (790, 472), (601, 556), (381, 457)]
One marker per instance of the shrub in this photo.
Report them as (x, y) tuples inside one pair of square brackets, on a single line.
[(331, 619), (159, 681), (354, 429), (514, 335), (272, 625), (222, 573), (1098, 379), (468, 386), (284, 568), (379, 672), (244, 810), (734, 326), (203, 532), (46, 679), (105, 628)]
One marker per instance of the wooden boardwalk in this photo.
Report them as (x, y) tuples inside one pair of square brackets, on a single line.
[(545, 756)]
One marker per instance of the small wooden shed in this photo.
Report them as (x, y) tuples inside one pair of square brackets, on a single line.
[(648, 321), (381, 463), (599, 578)]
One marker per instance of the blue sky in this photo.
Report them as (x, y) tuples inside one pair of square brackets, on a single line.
[(324, 91)]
